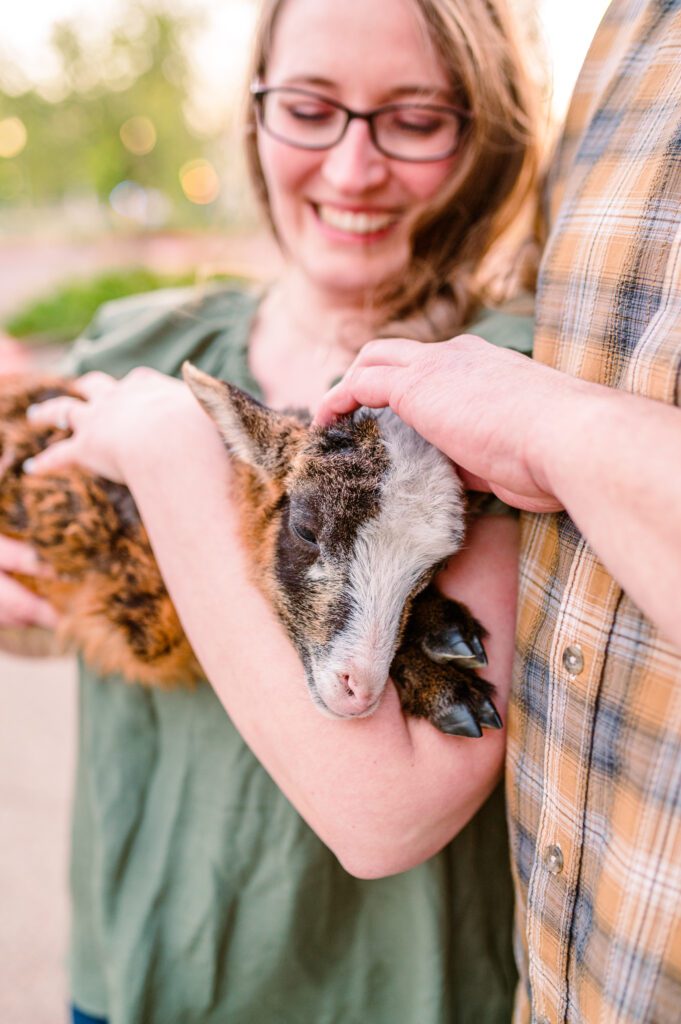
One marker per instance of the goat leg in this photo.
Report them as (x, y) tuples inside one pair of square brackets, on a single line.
[(435, 667)]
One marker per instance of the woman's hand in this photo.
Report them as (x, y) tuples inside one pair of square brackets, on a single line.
[(480, 404), (19, 607), (14, 357), (114, 420)]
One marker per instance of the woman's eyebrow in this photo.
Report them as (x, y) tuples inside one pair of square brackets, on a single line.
[(431, 91), (310, 80)]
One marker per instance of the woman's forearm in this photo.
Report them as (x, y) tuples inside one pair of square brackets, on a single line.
[(383, 792)]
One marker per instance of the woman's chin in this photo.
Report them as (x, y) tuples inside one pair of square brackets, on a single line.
[(357, 279)]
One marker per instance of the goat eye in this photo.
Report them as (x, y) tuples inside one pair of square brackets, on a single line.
[(304, 534)]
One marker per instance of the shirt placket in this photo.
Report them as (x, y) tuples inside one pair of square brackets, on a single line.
[(575, 667)]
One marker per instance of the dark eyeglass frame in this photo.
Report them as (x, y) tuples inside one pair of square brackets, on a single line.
[(259, 92)]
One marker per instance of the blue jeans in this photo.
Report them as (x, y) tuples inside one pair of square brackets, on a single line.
[(78, 1017)]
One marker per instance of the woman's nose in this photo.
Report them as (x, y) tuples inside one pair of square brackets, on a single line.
[(354, 164)]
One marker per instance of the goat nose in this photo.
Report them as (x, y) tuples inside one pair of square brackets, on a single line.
[(358, 696)]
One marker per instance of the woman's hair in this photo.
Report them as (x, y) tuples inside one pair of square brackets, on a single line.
[(492, 183)]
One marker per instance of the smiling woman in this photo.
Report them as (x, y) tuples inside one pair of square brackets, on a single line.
[(225, 866), (457, 130)]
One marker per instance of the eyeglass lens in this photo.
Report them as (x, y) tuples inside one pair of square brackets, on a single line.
[(405, 131)]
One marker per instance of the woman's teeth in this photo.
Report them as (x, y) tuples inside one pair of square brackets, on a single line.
[(355, 223)]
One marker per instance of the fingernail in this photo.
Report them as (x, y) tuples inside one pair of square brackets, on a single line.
[(32, 411), (28, 466)]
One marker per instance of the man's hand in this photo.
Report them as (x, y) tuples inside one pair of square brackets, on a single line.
[(481, 405)]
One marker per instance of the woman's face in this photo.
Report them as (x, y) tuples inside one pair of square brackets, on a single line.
[(344, 215)]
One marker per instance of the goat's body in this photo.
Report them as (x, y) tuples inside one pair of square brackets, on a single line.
[(105, 582), (391, 513)]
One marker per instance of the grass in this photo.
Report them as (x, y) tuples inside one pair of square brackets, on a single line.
[(62, 315)]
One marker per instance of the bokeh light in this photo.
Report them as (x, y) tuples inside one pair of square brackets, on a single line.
[(147, 207), (200, 182), (138, 135), (13, 137)]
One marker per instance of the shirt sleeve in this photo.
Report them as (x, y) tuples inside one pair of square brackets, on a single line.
[(162, 329)]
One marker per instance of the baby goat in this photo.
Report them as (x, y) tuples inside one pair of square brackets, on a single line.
[(345, 527)]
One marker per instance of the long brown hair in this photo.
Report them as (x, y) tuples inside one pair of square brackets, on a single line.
[(494, 180)]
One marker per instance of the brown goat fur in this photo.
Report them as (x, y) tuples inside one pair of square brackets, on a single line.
[(104, 582)]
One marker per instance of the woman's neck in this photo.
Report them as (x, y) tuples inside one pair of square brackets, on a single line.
[(305, 338), (319, 318)]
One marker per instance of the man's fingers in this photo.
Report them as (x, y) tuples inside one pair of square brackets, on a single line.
[(528, 503), (368, 381), (372, 386), (336, 402), (388, 352), (472, 482)]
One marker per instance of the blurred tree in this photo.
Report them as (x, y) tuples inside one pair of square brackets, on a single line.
[(115, 114)]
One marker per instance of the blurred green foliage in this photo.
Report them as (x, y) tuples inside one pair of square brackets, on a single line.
[(74, 146), (61, 315)]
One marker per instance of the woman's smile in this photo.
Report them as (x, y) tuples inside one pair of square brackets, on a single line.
[(354, 224), (344, 212)]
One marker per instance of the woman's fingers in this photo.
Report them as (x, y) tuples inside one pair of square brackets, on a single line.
[(15, 556), (20, 607), (92, 385), (63, 412), (66, 412), (54, 457)]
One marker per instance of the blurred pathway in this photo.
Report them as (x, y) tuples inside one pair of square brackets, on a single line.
[(37, 744), (29, 266)]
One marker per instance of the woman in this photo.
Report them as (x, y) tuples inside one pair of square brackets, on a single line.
[(391, 143)]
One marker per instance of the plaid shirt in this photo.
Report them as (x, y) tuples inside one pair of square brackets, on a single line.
[(594, 766)]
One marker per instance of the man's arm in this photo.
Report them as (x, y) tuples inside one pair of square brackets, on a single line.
[(543, 440)]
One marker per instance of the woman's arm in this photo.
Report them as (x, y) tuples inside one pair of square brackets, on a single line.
[(543, 440), (383, 792)]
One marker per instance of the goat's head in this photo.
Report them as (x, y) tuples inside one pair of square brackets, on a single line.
[(344, 524)]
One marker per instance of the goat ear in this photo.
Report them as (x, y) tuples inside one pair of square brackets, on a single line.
[(253, 433)]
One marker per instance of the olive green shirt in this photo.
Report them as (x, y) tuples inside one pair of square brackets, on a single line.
[(199, 894)]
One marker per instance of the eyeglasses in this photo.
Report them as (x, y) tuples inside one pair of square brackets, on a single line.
[(418, 132)]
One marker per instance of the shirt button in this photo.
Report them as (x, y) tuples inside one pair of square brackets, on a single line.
[(573, 659), (553, 859)]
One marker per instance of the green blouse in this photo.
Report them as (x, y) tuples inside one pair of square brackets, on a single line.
[(199, 894)]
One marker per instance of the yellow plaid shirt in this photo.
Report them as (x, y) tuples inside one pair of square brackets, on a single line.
[(594, 756)]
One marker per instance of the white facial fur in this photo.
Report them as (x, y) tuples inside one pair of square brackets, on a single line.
[(420, 523)]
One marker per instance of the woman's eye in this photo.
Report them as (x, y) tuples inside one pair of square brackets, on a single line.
[(304, 533), (310, 112), (418, 125)]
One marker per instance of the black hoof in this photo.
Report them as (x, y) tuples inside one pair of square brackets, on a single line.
[(488, 716), (459, 721), (449, 645)]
